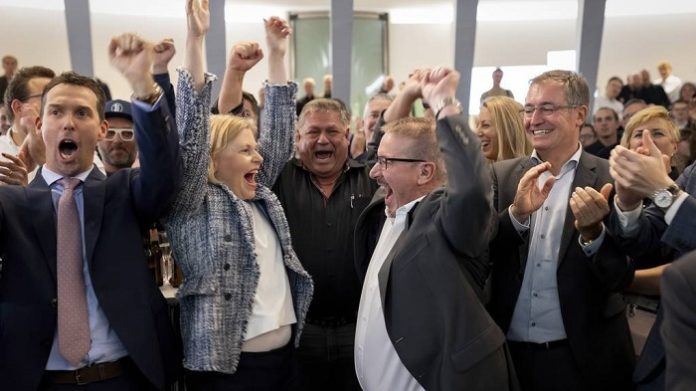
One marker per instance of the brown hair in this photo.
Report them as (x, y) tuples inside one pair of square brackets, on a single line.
[(73, 78), (18, 88)]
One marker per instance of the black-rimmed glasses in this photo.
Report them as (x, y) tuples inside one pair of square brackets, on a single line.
[(385, 162)]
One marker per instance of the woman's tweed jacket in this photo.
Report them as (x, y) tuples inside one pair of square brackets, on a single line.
[(212, 234)]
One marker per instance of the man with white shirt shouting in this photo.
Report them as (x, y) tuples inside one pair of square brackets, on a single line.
[(421, 323)]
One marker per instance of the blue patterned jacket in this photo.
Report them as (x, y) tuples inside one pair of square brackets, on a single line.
[(212, 234)]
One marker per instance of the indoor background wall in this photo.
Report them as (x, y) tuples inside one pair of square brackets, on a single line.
[(630, 43)]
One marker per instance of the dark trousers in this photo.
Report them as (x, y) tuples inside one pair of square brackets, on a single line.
[(326, 358), (542, 369), (275, 370), (131, 380)]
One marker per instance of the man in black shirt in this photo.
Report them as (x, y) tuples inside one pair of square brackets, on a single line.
[(606, 123), (323, 193)]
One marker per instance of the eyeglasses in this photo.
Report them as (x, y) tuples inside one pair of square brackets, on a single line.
[(545, 110), (385, 162), (126, 134)]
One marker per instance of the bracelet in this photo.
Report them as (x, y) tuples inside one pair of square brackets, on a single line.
[(447, 102), (152, 98)]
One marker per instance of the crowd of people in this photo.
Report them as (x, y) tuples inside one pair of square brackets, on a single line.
[(415, 253)]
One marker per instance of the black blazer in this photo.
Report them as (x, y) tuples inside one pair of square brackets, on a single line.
[(679, 327), (435, 320), (593, 311), (117, 210)]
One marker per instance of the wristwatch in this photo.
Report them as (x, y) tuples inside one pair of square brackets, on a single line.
[(449, 101), (664, 198)]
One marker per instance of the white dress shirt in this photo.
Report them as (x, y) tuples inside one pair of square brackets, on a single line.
[(377, 364), (272, 307)]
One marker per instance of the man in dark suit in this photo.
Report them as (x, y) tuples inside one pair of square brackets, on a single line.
[(117, 334), (679, 327), (421, 323), (644, 232), (556, 273)]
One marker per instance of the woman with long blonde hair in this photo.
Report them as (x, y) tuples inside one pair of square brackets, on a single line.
[(501, 129)]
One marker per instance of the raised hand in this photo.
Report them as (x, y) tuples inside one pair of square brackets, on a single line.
[(163, 51), (590, 207), (401, 106), (132, 56), (438, 84), (244, 55), (412, 86), (638, 175), (13, 171), (197, 17), (277, 32), (529, 196)]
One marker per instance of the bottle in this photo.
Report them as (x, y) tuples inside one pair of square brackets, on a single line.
[(177, 275), (156, 256)]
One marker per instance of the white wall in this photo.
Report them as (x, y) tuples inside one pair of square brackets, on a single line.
[(630, 43)]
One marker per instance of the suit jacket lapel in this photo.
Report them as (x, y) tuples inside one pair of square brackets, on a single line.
[(383, 275), (524, 166), (43, 217), (93, 198), (585, 175)]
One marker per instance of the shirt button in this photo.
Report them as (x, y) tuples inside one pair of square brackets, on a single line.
[(543, 236), (546, 208), (54, 303), (227, 266), (227, 238), (538, 264), (533, 324), (535, 294), (228, 296)]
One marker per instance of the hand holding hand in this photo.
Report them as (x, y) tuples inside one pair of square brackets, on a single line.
[(163, 51), (197, 17), (412, 86), (438, 84), (590, 207), (529, 196), (244, 56), (277, 32), (132, 56)]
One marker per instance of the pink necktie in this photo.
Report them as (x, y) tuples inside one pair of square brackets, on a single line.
[(73, 322)]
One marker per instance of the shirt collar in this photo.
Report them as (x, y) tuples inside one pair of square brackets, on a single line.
[(10, 132), (404, 209), (575, 158), (51, 177)]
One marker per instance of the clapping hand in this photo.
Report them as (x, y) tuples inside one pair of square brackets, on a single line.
[(638, 174), (590, 207), (13, 171), (530, 196)]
